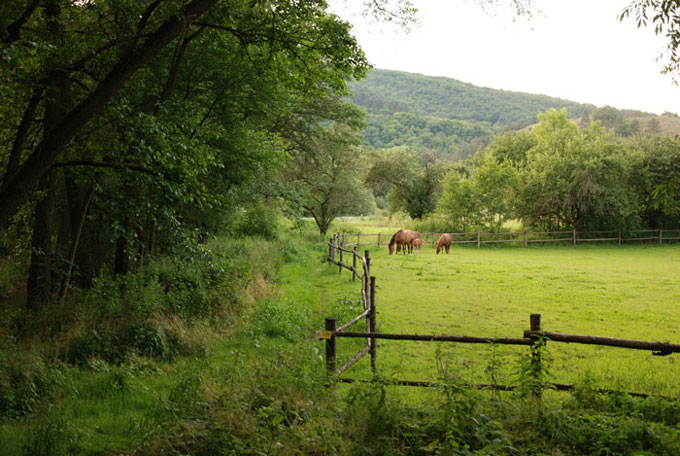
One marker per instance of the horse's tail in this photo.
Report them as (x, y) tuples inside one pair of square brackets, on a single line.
[(392, 241), (390, 246)]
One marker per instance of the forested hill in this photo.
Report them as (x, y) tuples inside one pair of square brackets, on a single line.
[(441, 116), (395, 91)]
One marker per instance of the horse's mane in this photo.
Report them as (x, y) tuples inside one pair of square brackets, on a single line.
[(392, 241)]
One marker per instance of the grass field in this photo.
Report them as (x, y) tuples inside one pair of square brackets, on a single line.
[(616, 291)]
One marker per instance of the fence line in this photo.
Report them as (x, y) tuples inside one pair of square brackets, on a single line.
[(526, 237), (336, 251), (535, 337)]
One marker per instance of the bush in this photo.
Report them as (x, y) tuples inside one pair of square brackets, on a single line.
[(147, 313), (127, 338), (258, 220)]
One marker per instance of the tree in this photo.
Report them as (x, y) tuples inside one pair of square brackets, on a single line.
[(147, 151), (653, 125), (409, 185), (575, 179), (494, 188), (326, 171), (150, 39), (458, 201), (665, 17), (656, 176)]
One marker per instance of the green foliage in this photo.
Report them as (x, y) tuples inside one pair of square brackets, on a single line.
[(440, 116), (447, 139), (559, 177), (193, 133), (26, 381), (326, 169), (408, 185), (258, 219), (147, 314), (663, 15), (659, 178), (433, 96)]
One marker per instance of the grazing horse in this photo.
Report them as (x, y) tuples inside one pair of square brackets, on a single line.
[(417, 244), (444, 242), (403, 239)]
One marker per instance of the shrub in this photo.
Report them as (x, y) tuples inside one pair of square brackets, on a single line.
[(258, 220)]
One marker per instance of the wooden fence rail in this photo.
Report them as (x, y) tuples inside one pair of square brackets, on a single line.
[(336, 251), (534, 337), (522, 237)]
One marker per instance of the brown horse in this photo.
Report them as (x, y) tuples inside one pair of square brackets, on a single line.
[(417, 244), (444, 242), (403, 239)]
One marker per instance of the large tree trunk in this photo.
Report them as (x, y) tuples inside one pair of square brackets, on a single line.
[(17, 187), (39, 286), (40, 280)]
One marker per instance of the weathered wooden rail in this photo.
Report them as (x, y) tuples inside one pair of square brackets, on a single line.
[(336, 251), (525, 238)]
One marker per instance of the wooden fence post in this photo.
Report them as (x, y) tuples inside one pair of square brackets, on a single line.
[(354, 264), (479, 239), (358, 238), (433, 242), (340, 262), (573, 237), (619, 237), (535, 325), (372, 326), (378, 239), (660, 236), (526, 239), (330, 250), (331, 324), (365, 283), (367, 255)]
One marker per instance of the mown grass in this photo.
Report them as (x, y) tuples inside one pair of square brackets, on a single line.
[(626, 292)]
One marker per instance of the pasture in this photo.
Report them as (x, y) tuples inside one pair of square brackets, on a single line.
[(628, 292)]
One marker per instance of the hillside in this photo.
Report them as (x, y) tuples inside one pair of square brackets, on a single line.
[(450, 119), (395, 91)]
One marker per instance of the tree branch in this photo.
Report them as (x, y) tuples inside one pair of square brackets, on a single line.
[(22, 134), (94, 164), (15, 189), (11, 33)]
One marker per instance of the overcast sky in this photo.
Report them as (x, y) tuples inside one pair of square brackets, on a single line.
[(573, 49)]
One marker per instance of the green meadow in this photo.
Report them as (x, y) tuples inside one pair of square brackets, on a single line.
[(628, 292)]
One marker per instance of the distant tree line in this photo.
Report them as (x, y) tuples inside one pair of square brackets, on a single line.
[(451, 120), (554, 176)]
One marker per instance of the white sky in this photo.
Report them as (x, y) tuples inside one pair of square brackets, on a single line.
[(573, 49)]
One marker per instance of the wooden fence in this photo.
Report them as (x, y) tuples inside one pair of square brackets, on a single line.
[(521, 237), (534, 337), (336, 254)]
